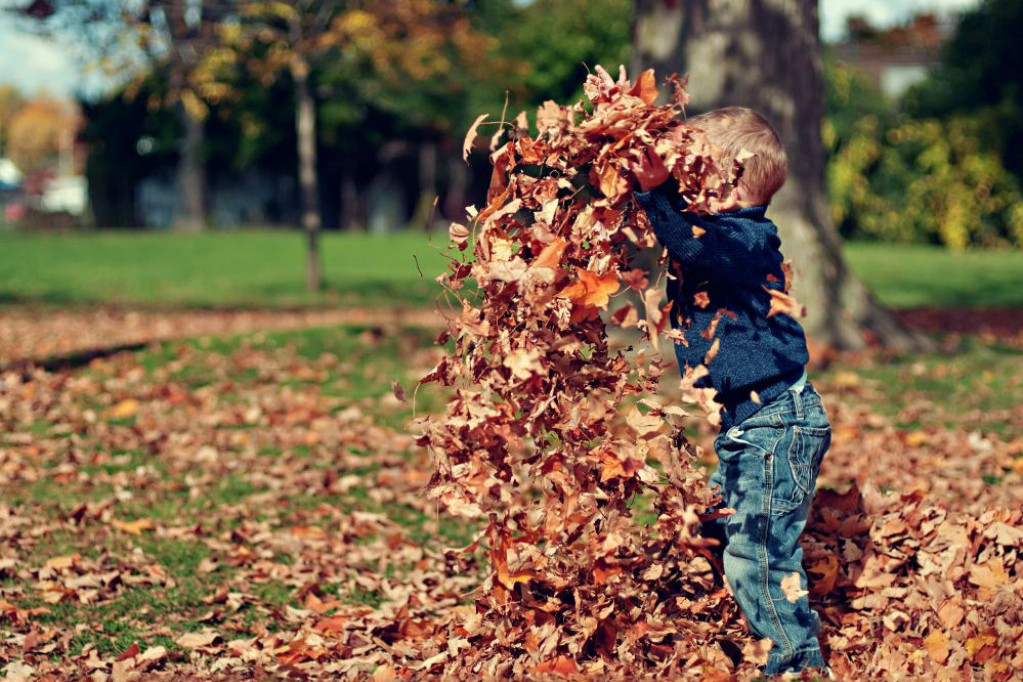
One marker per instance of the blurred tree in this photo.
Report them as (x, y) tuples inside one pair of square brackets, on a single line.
[(127, 141), (11, 100), (896, 178), (37, 131), (411, 59), (765, 54), (981, 74), (587, 32), (177, 37)]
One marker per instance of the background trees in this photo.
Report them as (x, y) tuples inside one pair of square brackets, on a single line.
[(357, 105), (942, 163)]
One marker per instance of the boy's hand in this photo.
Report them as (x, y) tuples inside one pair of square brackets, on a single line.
[(649, 169)]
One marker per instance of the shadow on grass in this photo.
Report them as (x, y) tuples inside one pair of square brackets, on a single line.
[(70, 361)]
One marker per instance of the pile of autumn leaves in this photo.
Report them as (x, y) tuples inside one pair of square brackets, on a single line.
[(550, 437)]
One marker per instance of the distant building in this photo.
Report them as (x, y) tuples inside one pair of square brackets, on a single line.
[(896, 58)]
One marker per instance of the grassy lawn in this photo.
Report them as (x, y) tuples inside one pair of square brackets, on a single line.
[(906, 276), (260, 269), (220, 269)]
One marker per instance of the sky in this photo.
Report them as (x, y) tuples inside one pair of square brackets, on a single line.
[(34, 64)]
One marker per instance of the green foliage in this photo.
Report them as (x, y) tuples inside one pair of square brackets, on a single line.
[(560, 41), (908, 180), (981, 73)]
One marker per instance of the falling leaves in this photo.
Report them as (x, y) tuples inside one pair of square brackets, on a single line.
[(536, 439), (470, 136)]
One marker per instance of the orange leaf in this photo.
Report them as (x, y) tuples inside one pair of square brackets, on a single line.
[(122, 410), (133, 527), (784, 303), (936, 644), (603, 572), (59, 563), (646, 87), (590, 292), (562, 665), (550, 257), (827, 569), (332, 625), (309, 532)]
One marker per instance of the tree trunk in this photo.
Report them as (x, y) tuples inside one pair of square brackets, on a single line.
[(425, 212), (350, 220), (764, 54), (191, 185), (305, 123)]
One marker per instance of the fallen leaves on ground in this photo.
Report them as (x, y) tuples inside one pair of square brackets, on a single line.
[(291, 534), (40, 333)]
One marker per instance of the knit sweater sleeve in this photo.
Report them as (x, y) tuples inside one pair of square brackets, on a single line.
[(715, 252)]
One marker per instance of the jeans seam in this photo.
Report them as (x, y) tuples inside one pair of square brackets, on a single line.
[(765, 573)]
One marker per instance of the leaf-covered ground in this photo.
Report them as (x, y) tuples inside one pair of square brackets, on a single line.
[(248, 506)]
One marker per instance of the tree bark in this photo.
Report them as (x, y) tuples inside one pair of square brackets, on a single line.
[(305, 123), (765, 54), (191, 172)]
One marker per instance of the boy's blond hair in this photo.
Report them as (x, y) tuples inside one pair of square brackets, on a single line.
[(734, 129)]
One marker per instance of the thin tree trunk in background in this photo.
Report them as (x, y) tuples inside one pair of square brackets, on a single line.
[(349, 219), (191, 172), (424, 214), (765, 54), (305, 123)]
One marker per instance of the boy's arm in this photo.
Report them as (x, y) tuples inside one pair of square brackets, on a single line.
[(701, 246)]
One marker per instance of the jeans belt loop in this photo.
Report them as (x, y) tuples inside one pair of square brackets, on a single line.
[(797, 402)]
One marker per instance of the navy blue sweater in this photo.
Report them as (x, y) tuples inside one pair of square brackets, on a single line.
[(722, 274)]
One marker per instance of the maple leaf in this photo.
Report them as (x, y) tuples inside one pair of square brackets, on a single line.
[(560, 665), (590, 292), (551, 255)]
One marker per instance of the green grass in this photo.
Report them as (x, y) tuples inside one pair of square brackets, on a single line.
[(219, 269), (944, 389), (263, 268), (905, 276)]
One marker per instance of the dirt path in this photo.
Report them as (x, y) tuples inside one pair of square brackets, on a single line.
[(28, 333)]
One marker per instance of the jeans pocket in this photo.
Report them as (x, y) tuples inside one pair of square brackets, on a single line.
[(796, 474)]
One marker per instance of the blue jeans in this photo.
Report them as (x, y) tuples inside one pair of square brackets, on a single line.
[(767, 471)]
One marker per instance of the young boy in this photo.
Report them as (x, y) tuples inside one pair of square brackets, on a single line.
[(774, 429)]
